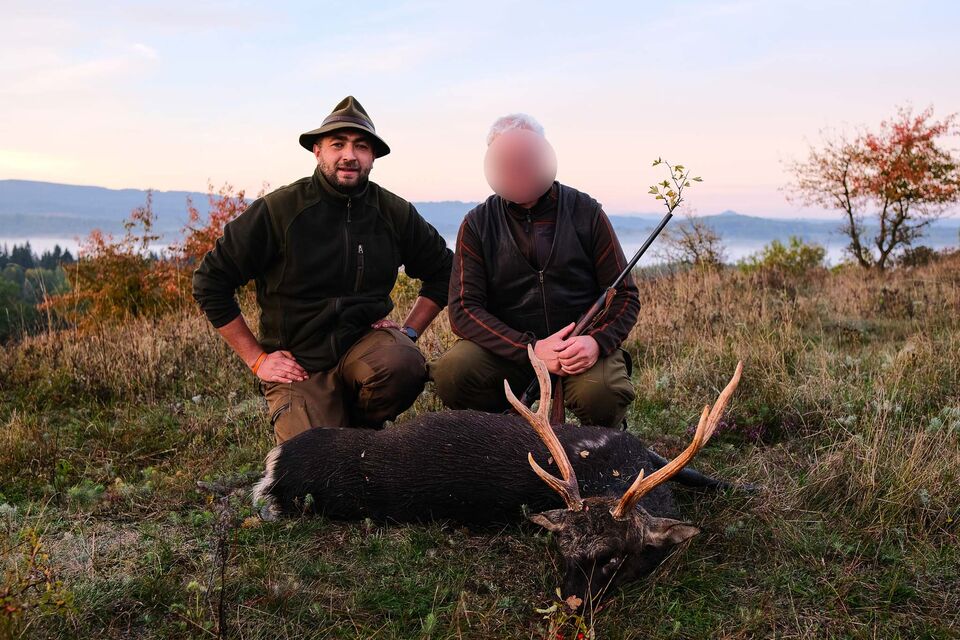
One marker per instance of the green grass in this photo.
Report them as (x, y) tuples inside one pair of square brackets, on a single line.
[(848, 417)]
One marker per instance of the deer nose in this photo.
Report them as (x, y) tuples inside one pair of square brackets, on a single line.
[(574, 590)]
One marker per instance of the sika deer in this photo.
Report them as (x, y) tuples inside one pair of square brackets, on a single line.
[(468, 466)]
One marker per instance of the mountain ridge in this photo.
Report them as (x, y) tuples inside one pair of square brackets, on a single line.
[(30, 208)]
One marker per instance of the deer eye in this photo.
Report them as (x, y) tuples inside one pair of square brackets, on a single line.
[(606, 565)]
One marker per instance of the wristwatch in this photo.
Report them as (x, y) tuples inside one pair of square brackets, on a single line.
[(411, 333)]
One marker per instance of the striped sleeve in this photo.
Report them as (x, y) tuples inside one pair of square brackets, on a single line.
[(467, 302), (613, 326)]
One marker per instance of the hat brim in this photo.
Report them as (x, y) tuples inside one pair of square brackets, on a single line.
[(380, 148)]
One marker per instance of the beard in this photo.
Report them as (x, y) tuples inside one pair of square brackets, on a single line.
[(349, 186)]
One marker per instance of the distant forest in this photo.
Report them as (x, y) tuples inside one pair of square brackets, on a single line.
[(25, 279), (24, 256)]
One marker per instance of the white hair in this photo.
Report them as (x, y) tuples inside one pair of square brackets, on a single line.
[(513, 121)]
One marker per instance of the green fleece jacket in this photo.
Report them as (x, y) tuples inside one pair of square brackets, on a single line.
[(324, 265)]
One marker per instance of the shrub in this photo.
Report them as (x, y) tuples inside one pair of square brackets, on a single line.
[(796, 258), (115, 279), (918, 256)]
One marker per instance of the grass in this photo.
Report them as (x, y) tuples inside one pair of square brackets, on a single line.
[(848, 417)]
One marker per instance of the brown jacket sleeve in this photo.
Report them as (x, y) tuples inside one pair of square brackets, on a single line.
[(467, 302), (613, 326)]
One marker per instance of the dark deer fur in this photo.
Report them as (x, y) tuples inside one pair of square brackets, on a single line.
[(466, 466), (471, 467)]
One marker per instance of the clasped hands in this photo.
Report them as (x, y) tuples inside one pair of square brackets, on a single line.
[(565, 356)]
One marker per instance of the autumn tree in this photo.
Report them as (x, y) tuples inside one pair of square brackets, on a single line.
[(889, 185), (115, 279), (200, 234)]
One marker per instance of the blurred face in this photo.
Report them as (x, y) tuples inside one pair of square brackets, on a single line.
[(520, 166), (345, 159)]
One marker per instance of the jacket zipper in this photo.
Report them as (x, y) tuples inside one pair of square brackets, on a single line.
[(356, 284), (543, 302), (346, 269), (346, 241)]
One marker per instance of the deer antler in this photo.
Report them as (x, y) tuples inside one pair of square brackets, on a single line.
[(540, 421), (709, 420)]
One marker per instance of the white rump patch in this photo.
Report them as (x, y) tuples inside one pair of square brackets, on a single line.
[(260, 493)]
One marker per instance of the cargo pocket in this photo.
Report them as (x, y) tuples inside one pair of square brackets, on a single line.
[(290, 419), (279, 412)]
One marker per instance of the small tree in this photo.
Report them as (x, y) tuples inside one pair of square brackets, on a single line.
[(200, 234), (900, 172), (692, 242)]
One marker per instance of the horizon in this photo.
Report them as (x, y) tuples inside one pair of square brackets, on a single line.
[(826, 216), (170, 96), (636, 213), (741, 234)]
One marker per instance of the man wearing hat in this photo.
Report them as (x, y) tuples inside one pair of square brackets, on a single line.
[(324, 253), (530, 260)]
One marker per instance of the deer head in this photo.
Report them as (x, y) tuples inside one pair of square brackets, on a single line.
[(606, 541)]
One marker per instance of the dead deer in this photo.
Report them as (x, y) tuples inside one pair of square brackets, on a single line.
[(467, 466)]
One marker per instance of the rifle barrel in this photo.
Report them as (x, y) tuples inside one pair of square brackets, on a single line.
[(585, 320), (643, 248)]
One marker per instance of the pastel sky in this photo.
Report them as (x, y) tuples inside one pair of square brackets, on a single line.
[(172, 94)]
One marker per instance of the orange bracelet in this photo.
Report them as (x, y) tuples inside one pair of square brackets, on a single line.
[(256, 365)]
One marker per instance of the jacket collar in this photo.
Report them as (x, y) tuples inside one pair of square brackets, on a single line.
[(544, 205)]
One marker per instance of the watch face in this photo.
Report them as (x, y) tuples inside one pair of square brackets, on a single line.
[(411, 333)]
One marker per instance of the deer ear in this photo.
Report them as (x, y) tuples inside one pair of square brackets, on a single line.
[(662, 532), (553, 520)]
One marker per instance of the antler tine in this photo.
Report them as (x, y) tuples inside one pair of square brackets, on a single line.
[(709, 419), (568, 488)]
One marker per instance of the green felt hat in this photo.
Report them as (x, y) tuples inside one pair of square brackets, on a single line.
[(348, 114)]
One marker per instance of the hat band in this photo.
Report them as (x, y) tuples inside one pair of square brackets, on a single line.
[(360, 121)]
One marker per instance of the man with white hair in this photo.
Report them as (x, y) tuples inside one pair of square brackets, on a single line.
[(529, 261)]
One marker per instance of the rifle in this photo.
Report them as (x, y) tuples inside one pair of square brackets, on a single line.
[(587, 319)]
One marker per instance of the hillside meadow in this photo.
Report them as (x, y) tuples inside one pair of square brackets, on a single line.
[(127, 452)]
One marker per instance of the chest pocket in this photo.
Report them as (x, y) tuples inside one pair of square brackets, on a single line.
[(374, 263)]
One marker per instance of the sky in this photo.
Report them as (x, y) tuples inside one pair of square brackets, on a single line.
[(174, 95)]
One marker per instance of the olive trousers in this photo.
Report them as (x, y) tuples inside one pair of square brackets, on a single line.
[(471, 377), (377, 379)]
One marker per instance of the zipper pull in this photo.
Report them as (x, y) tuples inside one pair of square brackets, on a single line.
[(356, 283), (528, 222), (349, 202), (540, 273)]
